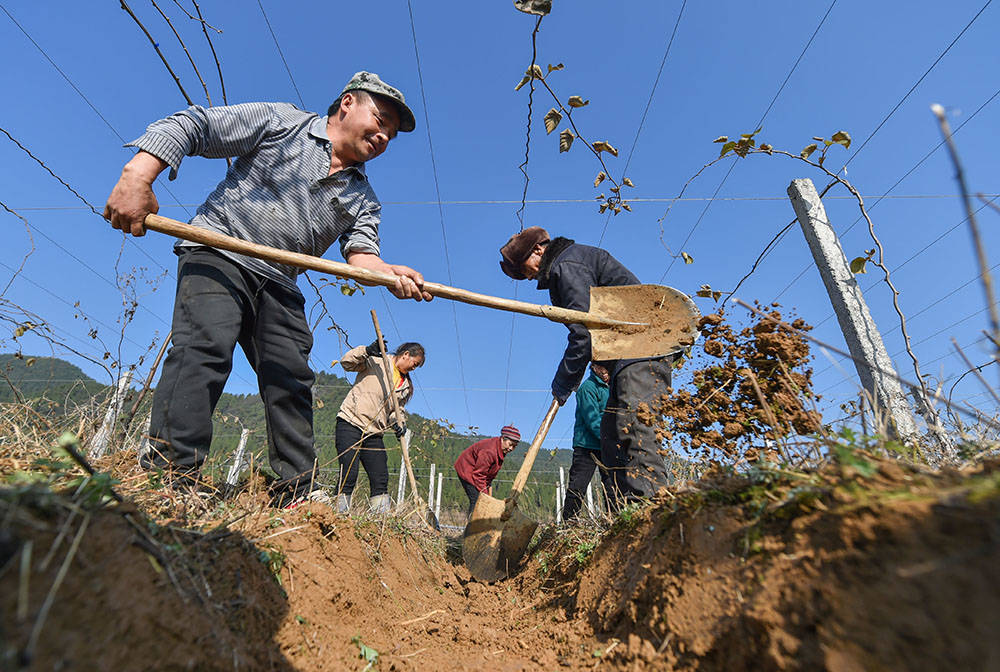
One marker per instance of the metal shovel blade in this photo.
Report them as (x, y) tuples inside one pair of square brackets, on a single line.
[(493, 544), (493, 547), (668, 319)]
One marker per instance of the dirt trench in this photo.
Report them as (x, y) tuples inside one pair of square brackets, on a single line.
[(884, 567)]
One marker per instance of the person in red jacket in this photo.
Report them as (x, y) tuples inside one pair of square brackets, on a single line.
[(479, 464)]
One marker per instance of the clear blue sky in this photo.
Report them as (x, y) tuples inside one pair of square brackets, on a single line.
[(725, 66)]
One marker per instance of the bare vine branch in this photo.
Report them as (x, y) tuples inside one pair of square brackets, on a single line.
[(325, 312), (982, 197), (977, 241), (527, 140), (760, 258), (975, 370), (198, 18), (156, 47), (187, 53), (211, 46), (614, 203), (31, 240)]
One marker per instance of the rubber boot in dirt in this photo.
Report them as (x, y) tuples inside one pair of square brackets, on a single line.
[(379, 504), (343, 504)]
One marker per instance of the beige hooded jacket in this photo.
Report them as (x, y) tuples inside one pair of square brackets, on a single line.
[(367, 405)]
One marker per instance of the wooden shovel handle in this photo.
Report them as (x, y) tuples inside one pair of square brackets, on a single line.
[(221, 241), (529, 459), (403, 441)]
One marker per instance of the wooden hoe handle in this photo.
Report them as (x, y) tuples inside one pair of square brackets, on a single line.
[(221, 241), (403, 441), (529, 459)]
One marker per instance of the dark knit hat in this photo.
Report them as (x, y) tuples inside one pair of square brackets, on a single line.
[(518, 249), (510, 431)]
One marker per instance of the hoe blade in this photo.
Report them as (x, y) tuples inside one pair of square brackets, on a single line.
[(492, 547)]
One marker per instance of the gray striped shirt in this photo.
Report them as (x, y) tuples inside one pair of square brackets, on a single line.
[(277, 192)]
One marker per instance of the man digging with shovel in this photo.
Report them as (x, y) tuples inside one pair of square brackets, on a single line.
[(298, 183), (629, 449)]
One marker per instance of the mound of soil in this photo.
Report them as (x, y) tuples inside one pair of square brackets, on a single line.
[(865, 565), (893, 571)]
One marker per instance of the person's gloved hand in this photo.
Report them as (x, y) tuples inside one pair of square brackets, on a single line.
[(372, 349), (399, 429)]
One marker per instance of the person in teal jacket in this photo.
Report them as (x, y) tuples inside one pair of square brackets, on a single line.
[(591, 398)]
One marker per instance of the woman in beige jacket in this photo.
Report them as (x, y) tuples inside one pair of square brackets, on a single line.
[(367, 413)]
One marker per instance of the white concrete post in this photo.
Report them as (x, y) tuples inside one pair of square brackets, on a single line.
[(558, 504), (875, 369), (239, 460), (144, 440), (562, 484), (430, 488), (437, 500), (99, 444)]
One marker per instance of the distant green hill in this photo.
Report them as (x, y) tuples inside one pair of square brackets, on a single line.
[(56, 380), (434, 442)]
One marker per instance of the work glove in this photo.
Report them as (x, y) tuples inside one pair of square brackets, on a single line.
[(399, 429), (372, 350)]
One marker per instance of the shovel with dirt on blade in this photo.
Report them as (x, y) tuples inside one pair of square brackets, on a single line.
[(624, 322)]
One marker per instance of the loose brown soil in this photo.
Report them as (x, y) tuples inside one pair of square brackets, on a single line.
[(864, 565), (748, 387)]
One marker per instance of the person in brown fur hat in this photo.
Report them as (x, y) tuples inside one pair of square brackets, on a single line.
[(629, 449)]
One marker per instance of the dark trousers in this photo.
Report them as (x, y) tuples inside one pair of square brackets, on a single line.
[(472, 492), (585, 461), (218, 305), (353, 447), (630, 449)]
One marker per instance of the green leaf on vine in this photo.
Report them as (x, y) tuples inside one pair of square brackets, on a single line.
[(858, 265), (722, 138), (808, 150), (688, 259), (553, 68), (726, 148), (552, 119), (524, 80)]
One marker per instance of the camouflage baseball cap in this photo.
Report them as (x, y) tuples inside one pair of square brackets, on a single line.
[(371, 82)]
